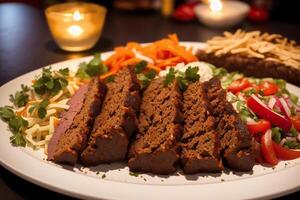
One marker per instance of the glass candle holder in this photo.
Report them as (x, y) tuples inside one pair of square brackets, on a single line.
[(76, 26)]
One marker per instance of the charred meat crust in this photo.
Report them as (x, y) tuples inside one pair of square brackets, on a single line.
[(252, 66), (156, 147), (236, 142), (72, 141), (200, 142), (116, 122)]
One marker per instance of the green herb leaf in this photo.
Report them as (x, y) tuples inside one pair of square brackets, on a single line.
[(21, 97), (276, 134), (6, 113), (31, 109), (183, 83), (42, 108), (291, 144), (169, 77), (191, 74), (64, 71), (139, 67), (94, 68), (81, 73), (17, 123), (248, 93), (151, 74), (49, 84), (18, 140), (294, 132)]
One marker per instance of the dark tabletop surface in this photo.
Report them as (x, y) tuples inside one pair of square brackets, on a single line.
[(26, 44)]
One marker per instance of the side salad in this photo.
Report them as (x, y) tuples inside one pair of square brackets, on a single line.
[(271, 112)]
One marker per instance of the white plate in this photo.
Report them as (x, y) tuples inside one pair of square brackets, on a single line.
[(263, 182)]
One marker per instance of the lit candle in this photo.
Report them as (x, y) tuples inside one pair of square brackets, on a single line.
[(222, 14), (76, 26)]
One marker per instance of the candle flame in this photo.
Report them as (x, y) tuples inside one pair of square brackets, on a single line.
[(215, 5), (75, 30), (77, 16)]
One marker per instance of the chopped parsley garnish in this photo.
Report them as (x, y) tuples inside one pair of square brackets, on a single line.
[(144, 77), (50, 83), (41, 108), (16, 124), (139, 67), (94, 68), (183, 78), (103, 176), (191, 74), (170, 77), (21, 97), (64, 71)]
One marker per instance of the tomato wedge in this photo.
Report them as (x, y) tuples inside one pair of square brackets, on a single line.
[(285, 153), (267, 148), (258, 127), (296, 122), (268, 88), (238, 85)]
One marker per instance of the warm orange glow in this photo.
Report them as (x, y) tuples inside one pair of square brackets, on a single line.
[(75, 30), (77, 16), (215, 5)]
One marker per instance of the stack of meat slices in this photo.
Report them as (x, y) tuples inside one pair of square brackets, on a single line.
[(198, 128)]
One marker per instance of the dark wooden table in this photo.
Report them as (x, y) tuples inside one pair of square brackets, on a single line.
[(26, 44)]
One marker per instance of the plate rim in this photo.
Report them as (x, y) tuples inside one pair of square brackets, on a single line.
[(153, 191)]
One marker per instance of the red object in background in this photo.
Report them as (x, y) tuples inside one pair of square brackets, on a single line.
[(258, 14), (185, 12)]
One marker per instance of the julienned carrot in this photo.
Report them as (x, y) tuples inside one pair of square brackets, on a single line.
[(164, 52), (131, 61), (169, 62), (152, 66), (104, 76), (174, 38), (133, 45)]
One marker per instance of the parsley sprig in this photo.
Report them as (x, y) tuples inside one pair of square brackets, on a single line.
[(41, 108), (16, 125), (143, 75), (183, 78), (93, 68), (20, 98), (50, 83)]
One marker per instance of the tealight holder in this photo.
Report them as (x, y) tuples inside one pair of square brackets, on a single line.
[(76, 26), (222, 14)]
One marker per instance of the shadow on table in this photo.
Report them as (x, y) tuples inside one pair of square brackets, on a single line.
[(102, 45), (14, 187)]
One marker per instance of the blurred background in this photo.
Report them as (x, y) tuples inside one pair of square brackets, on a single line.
[(261, 10)]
